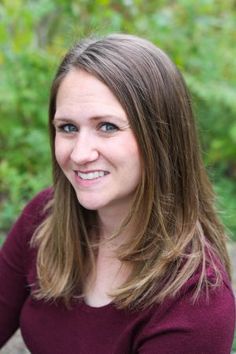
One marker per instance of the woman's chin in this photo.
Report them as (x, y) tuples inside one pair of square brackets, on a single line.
[(91, 204)]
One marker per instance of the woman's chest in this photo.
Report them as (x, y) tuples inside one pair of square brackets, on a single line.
[(51, 328)]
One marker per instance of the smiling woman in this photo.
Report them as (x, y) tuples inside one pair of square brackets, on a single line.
[(124, 253)]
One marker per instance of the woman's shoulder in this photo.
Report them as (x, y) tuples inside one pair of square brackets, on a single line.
[(215, 297), (203, 324), (36, 206), (16, 252), (30, 218)]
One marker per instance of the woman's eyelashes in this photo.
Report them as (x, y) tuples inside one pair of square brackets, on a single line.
[(66, 128), (107, 127), (104, 127)]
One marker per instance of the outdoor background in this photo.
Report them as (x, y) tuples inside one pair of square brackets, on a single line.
[(199, 36)]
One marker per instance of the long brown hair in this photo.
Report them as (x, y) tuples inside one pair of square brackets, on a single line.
[(177, 230)]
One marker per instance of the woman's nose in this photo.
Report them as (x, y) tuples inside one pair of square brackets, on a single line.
[(84, 149)]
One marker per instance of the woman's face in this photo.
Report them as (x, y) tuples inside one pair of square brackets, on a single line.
[(94, 144)]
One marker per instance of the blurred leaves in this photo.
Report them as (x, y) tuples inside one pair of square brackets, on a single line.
[(199, 36)]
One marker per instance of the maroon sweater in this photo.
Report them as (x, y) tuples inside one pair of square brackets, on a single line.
[(176, 327)]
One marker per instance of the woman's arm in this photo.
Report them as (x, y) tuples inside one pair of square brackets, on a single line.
[(14, 266)]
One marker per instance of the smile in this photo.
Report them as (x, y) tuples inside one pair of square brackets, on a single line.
[(91, 175)]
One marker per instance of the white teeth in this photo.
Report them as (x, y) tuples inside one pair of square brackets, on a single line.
[(91, 175)]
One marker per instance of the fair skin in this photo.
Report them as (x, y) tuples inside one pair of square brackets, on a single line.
[(98, 153)]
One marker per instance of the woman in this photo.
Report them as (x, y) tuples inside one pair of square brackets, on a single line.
[(125, 253)]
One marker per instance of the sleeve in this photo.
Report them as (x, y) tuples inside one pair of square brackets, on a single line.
[(13, 267), (204, 327)]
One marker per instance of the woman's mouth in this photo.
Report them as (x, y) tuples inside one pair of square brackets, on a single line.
[(91, 174)]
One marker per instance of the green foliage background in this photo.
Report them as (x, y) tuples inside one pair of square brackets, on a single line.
[(34, 34)]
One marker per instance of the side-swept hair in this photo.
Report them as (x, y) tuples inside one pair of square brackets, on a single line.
[(177, 231)]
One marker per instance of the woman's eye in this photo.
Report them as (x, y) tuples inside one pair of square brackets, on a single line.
[(108, 127), (67, 128)]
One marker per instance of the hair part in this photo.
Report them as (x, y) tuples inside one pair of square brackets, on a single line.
[(179, 233)]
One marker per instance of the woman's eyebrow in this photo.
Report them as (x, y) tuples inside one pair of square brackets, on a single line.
[(110, 116), (95, 118), (64, 120)]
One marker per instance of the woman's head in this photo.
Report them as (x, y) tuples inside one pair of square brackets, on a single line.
[(95, 146), (153, 95)]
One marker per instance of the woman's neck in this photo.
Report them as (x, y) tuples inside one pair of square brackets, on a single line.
[(109, 223), (109, 273)]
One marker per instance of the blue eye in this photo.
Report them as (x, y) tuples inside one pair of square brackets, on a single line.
[(108, 127), (67, 128)]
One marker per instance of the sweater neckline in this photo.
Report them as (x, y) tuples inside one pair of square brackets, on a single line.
[(88, 308)]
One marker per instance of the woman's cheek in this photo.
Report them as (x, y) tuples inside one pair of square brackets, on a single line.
[(61, 151)]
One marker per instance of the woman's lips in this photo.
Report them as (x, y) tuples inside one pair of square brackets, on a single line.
[(90, 175)]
